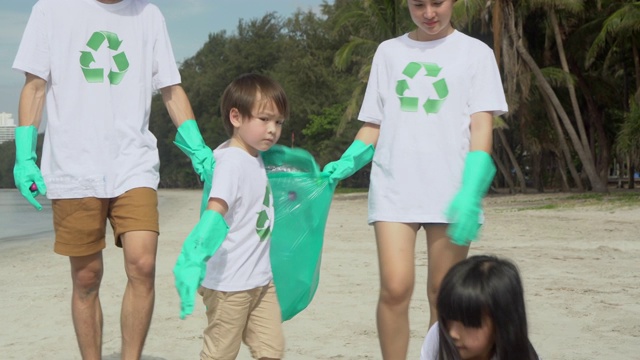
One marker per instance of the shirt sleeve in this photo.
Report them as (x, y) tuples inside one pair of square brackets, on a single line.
[(226, 177), (430, 345), (165, 70), (372, 109), (487, 93), (33, 52)]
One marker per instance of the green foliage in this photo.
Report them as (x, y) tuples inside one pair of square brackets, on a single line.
[(620, 29), (298, 52), (320, 134), (323, 62), (368, 23), (628, 138)]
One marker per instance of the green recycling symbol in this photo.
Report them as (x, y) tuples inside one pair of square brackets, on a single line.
[(409, 103), (96, 75), (263, 224)]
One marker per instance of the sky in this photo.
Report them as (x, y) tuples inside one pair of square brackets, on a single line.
[(189, 23)]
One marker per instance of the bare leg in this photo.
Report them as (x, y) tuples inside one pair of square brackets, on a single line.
[(140, 249), (396, 252), (86, 275), (442, 255)]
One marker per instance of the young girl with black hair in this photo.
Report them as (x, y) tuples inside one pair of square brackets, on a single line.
[(481, 314)]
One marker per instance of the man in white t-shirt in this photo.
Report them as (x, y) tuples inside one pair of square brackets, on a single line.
[(97, 64)]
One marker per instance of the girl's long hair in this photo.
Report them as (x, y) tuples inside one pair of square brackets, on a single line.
[(485, 286)]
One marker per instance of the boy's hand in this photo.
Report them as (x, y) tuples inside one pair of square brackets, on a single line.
[(189, 273), (190, 269)]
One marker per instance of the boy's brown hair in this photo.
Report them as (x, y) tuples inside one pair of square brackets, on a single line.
[(243, 92)]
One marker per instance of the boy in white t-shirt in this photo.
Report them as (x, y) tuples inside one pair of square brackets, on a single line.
[(227, 253)]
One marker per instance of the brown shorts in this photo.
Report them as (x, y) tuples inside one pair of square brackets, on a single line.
[(80, 224), (252, 316)]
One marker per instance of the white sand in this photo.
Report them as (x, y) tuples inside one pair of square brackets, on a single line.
[(579, 261)]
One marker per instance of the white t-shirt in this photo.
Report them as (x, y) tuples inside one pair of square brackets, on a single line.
[(422, 95), (430, 345), (101, 63), (242, 261)]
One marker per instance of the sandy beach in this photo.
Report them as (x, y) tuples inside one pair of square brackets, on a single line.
[(579, 257)]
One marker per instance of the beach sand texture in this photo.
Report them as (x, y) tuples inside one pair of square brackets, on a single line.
[(579, 257)]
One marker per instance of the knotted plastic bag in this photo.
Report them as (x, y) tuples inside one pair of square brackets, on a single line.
[(302, 198)]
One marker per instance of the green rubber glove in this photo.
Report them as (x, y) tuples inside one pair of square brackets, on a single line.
[(354, 158), (190, 141), (189, 271), (25, 171), (464, 211), (206, 192)]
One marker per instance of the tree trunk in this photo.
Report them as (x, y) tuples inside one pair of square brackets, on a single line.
[(636, 64), (570, 87), (505, 173), (603, 160), (537, 171), (583, 153), (496, 26), (632, 170), (563, 143), (562, 170), (512, 159)]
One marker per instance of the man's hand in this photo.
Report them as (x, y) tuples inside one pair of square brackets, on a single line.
[(190, 141), (25, 171)]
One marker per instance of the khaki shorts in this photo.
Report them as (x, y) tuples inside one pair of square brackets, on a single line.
[(252, 316), (80, 224)]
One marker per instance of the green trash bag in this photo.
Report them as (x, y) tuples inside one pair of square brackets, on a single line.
[(302, 198)]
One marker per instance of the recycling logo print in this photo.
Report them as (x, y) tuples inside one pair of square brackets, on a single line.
[(412, 103), (263, 224), (96, 75)]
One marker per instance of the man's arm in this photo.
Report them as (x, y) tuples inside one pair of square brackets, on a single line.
[(188, 138), (31, 101), (26, 174), (177, 104)]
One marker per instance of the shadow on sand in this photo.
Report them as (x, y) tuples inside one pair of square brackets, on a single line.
[(116, 356)]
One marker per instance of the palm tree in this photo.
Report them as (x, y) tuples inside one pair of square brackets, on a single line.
[(619, 42), (620, 33), (369, 22), (472, 15), (513, 22), (628, 140)]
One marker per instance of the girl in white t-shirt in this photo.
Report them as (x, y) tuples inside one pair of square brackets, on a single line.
[(428, 111), (481, 314)]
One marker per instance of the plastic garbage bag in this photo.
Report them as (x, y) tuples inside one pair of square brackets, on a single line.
[(302, 198)]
